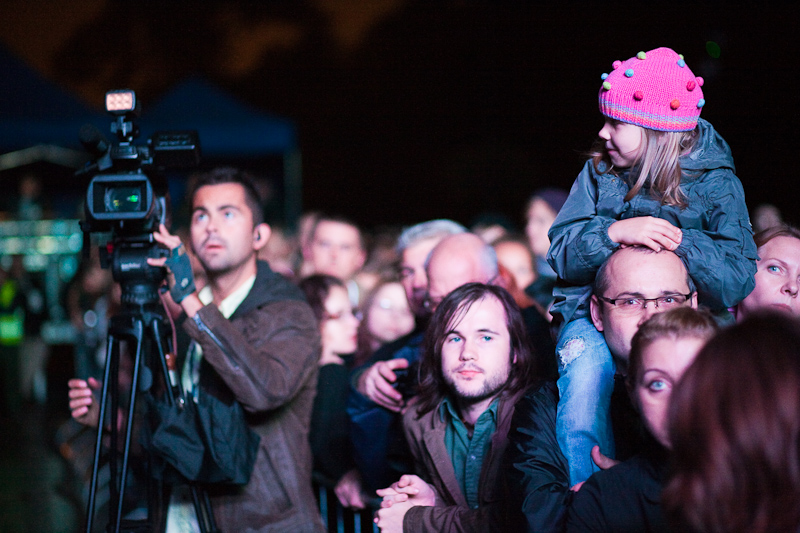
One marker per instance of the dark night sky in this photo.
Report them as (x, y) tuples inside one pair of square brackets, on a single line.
[(457, 107)]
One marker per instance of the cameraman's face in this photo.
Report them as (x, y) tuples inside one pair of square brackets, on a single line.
[(223, 236)]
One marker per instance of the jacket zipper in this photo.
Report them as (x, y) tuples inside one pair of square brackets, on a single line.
[(202, 326)]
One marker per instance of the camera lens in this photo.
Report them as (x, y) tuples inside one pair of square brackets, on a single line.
[(123, 199)]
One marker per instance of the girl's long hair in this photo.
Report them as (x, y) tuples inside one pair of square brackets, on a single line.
[(657, 164)]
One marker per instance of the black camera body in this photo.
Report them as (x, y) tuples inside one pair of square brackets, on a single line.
[(121, 198)]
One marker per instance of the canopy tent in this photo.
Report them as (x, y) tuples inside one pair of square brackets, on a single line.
[(233, 133), (40, 121)]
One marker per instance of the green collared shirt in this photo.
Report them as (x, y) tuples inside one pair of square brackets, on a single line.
[(467, 453)]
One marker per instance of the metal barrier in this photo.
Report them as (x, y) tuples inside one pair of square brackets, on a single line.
[(339, 519)]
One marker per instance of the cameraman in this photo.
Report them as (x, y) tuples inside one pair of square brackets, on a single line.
[(253, 329)]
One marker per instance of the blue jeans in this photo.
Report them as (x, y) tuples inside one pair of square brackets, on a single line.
[(585, 383)]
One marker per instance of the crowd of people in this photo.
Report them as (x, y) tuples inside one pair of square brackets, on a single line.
[(631, 362)]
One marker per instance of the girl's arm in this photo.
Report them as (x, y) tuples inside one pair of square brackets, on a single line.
[(579, 241), (721, 259)]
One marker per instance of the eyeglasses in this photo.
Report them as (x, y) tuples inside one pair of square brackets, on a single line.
[(340, 315), (635, 304)]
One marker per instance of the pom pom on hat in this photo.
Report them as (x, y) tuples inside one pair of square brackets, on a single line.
[(655, 90)]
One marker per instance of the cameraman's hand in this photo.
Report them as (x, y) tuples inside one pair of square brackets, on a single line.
[(184, 294), (82, 402), (376, 384)]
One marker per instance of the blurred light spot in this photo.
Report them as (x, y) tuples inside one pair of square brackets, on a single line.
[(713, 49)]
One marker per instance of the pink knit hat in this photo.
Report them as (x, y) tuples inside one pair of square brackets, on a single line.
[(655, 90)]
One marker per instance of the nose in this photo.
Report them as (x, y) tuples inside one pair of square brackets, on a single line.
[(649, 310), (605, 132), (468, 352), (791, 287), (420, 279)]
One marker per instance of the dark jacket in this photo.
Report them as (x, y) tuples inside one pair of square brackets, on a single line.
[(379, 449), (433, 464), (538, 473), (626, 497), (717, 246), (267, 355)]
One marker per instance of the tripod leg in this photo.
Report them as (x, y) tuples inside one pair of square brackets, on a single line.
[(110, 351), (129, 429)]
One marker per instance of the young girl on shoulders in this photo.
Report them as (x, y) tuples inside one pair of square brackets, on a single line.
[(661, 177)]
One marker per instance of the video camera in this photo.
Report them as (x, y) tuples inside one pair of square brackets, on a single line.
[(121, 198)]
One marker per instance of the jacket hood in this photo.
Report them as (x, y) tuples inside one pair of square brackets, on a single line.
[(269, 287), (710, 152)]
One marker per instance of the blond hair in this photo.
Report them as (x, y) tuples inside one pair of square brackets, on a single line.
[(656, 164)]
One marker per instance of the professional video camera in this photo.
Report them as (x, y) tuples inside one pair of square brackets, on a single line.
[(121, 197), (123, 201)]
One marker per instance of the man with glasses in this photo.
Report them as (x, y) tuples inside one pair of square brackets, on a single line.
[(633, 284)]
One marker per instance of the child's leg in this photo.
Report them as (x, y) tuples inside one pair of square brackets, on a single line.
[(586, 381)]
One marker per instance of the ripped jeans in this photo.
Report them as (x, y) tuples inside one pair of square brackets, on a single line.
[(585, 383)]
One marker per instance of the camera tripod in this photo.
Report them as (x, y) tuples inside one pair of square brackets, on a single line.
[(143, 324)]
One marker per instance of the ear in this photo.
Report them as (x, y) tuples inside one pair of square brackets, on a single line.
[(362, 257), (693, 300), (596, 313), (261, 235)]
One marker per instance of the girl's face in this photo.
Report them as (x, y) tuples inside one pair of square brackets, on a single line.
[(777, 278), (339, 325), (389, 315), (540, 217), (663, 363), (622, 142)]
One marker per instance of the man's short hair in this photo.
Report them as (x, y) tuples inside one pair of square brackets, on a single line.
[(602, 279), (223, 175), (439, 228), (339, 219)]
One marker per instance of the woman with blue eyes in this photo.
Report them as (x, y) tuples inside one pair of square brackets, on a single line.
[(627, 496), (777, 274)]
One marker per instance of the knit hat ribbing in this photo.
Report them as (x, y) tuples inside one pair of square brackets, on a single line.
[(654, 90)]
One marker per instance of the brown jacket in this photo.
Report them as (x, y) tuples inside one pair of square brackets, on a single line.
[(433, 464), (267, 355)]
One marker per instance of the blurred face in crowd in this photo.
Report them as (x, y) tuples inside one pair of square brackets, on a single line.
[(518, 260), (389, 316), (777, 278), (339, 325), (455, 261), (663, 363), (476, 354), (222, 231), (540, 217), (635, 274), (335, 249), (413, 275)]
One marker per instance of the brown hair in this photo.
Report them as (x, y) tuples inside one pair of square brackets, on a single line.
[(678, 323), (735, 428), (316, 289), (782, 230), (656, 164), (432, 386)]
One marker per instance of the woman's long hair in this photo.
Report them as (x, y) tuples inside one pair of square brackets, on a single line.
[(432, 386), (735, 428), (657, 164)]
